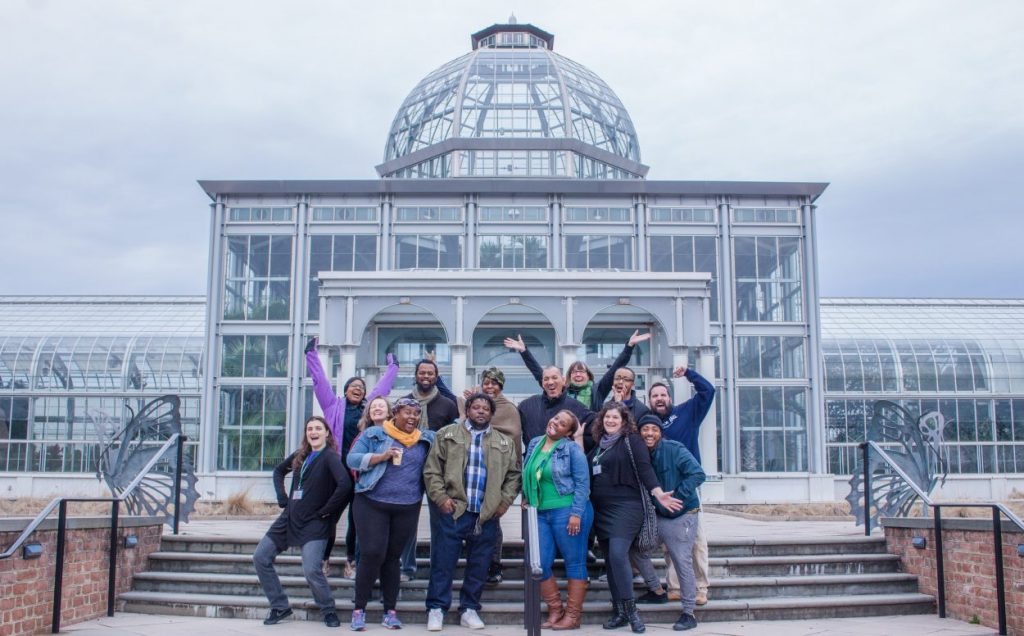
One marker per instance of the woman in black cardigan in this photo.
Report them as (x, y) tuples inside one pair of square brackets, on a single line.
[(320, 487), (618, 508)]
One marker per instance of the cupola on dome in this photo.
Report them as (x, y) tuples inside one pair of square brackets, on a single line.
[(512, 107)]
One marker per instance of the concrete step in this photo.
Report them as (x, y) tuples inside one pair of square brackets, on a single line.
[(511, 613), (512, 590)]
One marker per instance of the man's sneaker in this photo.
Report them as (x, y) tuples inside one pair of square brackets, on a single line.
[(331, 620), (276, 616), (471, 620), (702, 598), (674, 595), (685, 622), (493, 575), (638, 579), (435, 619), (652, 598), (358, 623), (391, 620)]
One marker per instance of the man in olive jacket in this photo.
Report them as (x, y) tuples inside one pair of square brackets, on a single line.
[(472, 476)]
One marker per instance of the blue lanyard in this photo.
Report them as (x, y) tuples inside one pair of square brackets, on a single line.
[(305, 466)]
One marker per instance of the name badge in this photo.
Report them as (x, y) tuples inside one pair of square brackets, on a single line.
[(297, 495), (597, 469)]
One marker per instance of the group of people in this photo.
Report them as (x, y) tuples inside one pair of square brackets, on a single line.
[(592, 458)]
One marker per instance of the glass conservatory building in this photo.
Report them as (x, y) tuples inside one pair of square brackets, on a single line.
[(512, 200)]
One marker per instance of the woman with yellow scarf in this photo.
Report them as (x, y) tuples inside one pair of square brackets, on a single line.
[(388, 461)]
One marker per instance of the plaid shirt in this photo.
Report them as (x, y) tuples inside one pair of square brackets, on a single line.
[(476, 470)]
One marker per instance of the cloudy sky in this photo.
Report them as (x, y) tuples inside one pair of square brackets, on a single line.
[(913, 111)]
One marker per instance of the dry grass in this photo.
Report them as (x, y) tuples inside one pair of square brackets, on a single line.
[(789, 510), (30, 507)]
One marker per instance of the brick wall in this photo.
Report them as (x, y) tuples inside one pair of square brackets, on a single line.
[(26, 586), (969, 564)]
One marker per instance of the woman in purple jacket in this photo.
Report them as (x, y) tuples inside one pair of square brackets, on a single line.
[(342, 413)]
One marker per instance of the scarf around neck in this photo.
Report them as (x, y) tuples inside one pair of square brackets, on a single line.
[(405, 439), (424, 400), (581, 392), (607, 441)]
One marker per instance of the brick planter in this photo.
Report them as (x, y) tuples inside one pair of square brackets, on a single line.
[(26, 586), (969, 564)]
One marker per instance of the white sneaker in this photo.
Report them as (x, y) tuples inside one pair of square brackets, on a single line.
[(435, 619), (639, 580), (471, 620)]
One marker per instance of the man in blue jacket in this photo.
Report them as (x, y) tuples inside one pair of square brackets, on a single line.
[(681, 423), (679, 473)]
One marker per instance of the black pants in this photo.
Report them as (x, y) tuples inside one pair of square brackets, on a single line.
[(383, 530), (350, 536), (620, 573)]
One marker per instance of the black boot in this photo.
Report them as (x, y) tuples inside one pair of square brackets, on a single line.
[(618, 619), (633, 616)]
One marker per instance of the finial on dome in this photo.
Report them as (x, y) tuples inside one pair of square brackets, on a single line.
[(512, 19)]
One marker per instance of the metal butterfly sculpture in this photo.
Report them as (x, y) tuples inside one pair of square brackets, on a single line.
[(918, 454), (126, 454)]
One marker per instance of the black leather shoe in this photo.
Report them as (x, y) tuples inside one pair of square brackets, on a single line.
[(276, 616), (653, 598), (685, 622), (633, 616), (494, 575), (331, 620), (618, 619)]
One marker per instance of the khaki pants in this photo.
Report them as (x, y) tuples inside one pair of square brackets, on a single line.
[(700, 561)]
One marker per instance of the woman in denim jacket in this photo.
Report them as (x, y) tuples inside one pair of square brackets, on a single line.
[(556, 481), (389, 493)]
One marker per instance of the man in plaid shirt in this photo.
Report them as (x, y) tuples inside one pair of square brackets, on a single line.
[(472, 475)]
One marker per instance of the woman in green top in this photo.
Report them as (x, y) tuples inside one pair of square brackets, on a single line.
[(556, 482)]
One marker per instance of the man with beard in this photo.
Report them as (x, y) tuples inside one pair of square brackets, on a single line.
[(472, 476), (506, 420), (681, 423), (436, 410)]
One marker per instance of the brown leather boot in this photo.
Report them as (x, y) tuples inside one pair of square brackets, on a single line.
[(573, 605), (549, 592)]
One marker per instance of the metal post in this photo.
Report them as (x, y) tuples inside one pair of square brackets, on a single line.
[(531, 615), (58, 573), (177, 482), (867, 489), (940, 570), (997, 544), (115, 509)]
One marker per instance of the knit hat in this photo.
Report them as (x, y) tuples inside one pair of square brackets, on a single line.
[(494, 373), (648, 418)]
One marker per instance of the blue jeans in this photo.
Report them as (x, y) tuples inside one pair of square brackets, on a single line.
[(312, 555), (447, 534), (551, 526)]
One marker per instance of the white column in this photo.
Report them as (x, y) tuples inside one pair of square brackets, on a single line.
[(568, 354), (460, 357), (680, 386), (708, 441), (348, 364)]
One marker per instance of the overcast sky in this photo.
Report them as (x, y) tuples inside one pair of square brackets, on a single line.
[(913, 111)]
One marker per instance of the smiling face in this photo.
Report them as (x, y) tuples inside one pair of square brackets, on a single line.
[(559, 426), (651, 434), (612, 422), (623, 381), (552, 382), (661, 401), (355, 392), (490, 387), (317, 434), (478, 412), (407, 419), (578, 373), (377, 410), (426, 377)]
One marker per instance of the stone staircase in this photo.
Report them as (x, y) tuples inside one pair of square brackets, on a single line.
[(751, 580)]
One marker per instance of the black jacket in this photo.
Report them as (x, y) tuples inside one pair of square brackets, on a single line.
[(536, 411), (326, 487), (440, 412), (601, 389), (617, 471)]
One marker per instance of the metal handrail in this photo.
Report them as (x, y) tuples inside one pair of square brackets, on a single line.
[(998, 510), (531, 564), (61, 503)]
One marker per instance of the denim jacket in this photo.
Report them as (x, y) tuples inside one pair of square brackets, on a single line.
[(374, 441), (569, 471)]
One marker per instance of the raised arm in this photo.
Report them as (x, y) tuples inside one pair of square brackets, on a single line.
[(443, 389), (325, 396), (703, 396), (386, 381), (517, 344), (605, 384)]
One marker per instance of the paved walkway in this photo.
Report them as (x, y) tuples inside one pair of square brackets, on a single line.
[(145, 625)]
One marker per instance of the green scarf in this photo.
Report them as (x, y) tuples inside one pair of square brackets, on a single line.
[(581, 392)]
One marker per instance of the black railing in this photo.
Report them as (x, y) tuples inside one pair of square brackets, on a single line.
[(998, 511), (61, 504), (531, 572)]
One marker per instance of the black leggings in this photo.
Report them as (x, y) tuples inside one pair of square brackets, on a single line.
[(383, 530), (350, 541), (620, 572)]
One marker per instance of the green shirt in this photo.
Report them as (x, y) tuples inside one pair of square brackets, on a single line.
[(538, 485)]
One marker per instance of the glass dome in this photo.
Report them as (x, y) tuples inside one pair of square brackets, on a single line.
[(512, 107)]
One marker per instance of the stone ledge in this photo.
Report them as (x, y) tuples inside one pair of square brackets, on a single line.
[(956, 523), (18, 524)]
